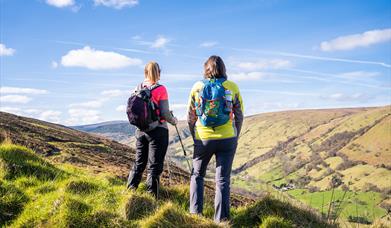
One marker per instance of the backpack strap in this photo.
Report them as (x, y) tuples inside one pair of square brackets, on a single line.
[(155, 86)]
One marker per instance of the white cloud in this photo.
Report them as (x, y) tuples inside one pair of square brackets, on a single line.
[(112, 93), (46, 115), (18, 99), (265, 64), (353, 41), (17, 90), (250, 76), (121, 108), (13, 110), (117, 4), (359, 74), (50, 116), (54, 64), (32, 111), (89, 104), (97, 60), (160, 42), (4, 51), (83, 116), (60, 3), (341, 97), (208, 44)]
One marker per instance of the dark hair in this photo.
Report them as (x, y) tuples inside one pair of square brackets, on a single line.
[(214, 67)]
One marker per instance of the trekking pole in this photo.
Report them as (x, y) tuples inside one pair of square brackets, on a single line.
[(183, 147)]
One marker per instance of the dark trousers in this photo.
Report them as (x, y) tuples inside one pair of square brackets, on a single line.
[(151, 148), (224, 150)]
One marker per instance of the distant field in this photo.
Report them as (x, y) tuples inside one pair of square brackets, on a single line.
[(361, 204)]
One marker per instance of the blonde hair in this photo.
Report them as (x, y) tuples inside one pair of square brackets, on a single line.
[(152, 72)]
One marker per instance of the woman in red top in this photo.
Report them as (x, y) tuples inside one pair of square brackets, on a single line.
[(152, 144)]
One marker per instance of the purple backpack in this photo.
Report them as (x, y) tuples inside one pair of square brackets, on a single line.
[(141, 110)]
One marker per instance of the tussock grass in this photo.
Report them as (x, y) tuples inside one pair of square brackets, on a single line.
[(139, 206), (273, 221), (170, 216), (12, 201), (252, 215), (81, 187), (18, 161)]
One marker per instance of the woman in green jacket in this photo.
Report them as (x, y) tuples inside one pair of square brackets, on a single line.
[(209, 139)]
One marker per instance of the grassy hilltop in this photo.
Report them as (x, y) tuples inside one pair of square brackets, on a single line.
[(61, 177)]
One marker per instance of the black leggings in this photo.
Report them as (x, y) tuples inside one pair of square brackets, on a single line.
[(151, 148)]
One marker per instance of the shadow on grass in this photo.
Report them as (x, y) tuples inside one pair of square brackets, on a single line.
[(12, 201)]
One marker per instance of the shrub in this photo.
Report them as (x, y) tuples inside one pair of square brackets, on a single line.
[(139, 205)]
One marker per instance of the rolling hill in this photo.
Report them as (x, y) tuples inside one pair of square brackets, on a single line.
[(307, 149), (120, 131), (52, 175)]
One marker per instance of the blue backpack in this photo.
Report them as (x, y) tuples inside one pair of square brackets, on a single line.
[(212, 107)]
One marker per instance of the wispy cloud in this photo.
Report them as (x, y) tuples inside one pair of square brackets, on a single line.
[(50, 116), (53, 116), (341, 97), (113, 93), (320, 58), (333, 78), (117, 4), (13, 110), (54, 64), (17, 99), (359, 74), (160, 42), (19, 90), (4, 51), (97, 60), (353, 41), (83, 116), (208, 44), (265, 64), (247, 76), (89, 104)]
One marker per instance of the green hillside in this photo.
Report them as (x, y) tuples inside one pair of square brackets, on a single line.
[(307, 148), (59, 177), (38, 193)]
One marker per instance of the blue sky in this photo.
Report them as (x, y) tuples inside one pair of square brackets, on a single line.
[(76, 61)]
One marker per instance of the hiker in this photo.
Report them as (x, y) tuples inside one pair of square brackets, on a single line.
[(151, 134), (215, 117)]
